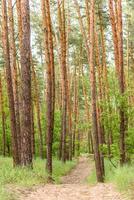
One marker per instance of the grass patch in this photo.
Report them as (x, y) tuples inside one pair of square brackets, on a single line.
[(122, 177), (27, 177), (92, 178)]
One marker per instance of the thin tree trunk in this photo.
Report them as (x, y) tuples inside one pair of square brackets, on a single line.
[(32, 131), (69, 107), (75, 112), (93, 97), (37, 103), (2, 118)]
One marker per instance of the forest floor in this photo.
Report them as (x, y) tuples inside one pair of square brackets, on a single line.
[(74, 186)]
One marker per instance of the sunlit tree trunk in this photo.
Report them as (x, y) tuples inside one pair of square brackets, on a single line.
[(114, 33)]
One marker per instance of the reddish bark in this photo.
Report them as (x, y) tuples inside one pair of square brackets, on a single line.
[(9, 83), (50, 94), (2, 118), (64, 83), (14, 74), (93, 97)]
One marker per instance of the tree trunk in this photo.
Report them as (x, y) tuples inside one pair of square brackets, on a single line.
[(93, 97), (50, 95), (25, 55), (37, 103), (121, 85), (114, 33), (32, 131), (62, 30), (9, 83), (116, 23), (2, 118), (14, 74), (75, 112)]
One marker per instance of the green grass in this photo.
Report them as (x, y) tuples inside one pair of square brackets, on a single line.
[(122, 177), (92, 178), (27, 177)]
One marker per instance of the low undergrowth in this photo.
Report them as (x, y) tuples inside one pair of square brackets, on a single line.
[(27, 177), (122, 177)]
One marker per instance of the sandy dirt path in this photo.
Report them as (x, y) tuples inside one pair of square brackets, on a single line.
[(74, 187)]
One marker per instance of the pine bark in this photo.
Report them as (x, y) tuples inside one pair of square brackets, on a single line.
[(9, 83), (93, 97), (32, 131), (117, 31), (2, 118), (25, 56), (64, 83), (75, 111), (114, 33), (50, 92), (14, 74), (121, 85), (37, 103)]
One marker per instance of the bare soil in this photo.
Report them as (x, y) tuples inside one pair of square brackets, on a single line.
[(74, 187)]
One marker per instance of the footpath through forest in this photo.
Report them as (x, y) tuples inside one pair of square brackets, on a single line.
[(75, 187)]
